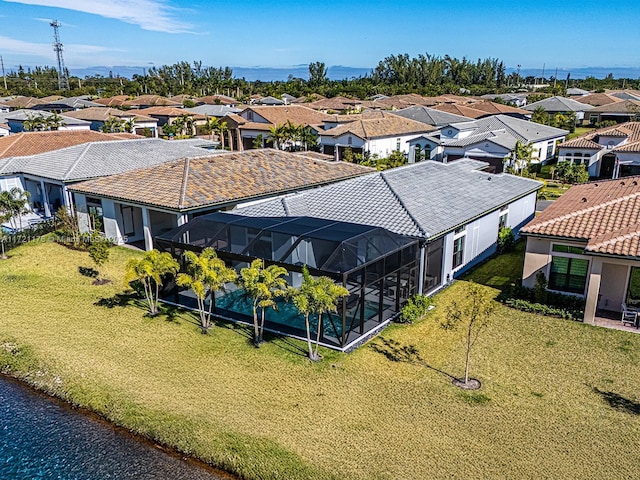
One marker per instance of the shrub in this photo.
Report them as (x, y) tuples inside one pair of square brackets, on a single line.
[(555, 304), (414, 309), (506, 240), (540, 288)]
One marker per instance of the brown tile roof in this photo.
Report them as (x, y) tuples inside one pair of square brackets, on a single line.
[(497, 108), (597, 99), (581, 142), (335, 103), (102, 114), (217, 100), (606, 214), (115, 101), (402, 101), (631, 130), (382, 124), (297, 114), (33, 143), (629, 147), (221, 179), (154, 100), (169, 112), (23, 102), (624, 106), (464, 110)]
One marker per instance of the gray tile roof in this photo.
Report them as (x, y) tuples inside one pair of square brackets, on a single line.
[(213, 110), (559, 104), (425, 199), (430, 116), (24, 114), (523, 130), (99, 159)]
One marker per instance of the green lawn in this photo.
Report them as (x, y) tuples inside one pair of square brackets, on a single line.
[(579, 131), (559, 400)]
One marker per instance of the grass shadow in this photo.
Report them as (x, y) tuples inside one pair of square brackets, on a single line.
[(88, 272), (396, 352), (618, 402)]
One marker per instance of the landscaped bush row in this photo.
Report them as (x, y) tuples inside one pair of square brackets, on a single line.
[(543, 302)]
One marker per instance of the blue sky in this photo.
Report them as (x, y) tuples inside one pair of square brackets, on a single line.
[(355, 33)]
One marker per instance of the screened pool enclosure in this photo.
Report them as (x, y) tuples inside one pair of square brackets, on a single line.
[(378, 267)]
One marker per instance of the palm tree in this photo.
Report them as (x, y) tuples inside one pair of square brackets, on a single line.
[(206, 273), (221, 130), (316, 296), (276, 135), (150, 271), (14, 203), (262, 285), (129, 125), (34, 123), (54, 122)]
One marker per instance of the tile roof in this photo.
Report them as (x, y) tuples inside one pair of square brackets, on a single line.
[(221, 179), (631, 130), (462, 110), (153, 100), (98, 159), (169, 112), (430, 116), (379, 124), (605, 214), (334, 103), (425, 199), (102, 114), (497, 108), (32, 143), (623, 106), (522, 130), (402, 101), (559, 104), (23, 102), (217, 100), (597, 99), (297, 114), (213, 110), (25, 114), (115, 101)]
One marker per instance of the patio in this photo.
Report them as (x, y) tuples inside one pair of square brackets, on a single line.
[(609, 319)]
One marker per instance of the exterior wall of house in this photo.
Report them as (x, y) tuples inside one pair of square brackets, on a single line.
[(478, 150), (384, 146), (582, 156), (613, 289), (481, 235), (545, 149), (346, 140), (436, 151), (7, 183), (628, 158), (536, 259)]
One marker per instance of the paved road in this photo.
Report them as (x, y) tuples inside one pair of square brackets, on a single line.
[(542, 204)]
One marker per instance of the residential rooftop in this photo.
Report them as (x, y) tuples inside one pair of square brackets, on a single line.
[(223, 179), (559, 104), (603, 214), (423, 200)]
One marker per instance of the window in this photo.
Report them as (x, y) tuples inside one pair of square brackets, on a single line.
[(250, 116), (398, 144), (567, 249), (502, 220), (568, 274), (549, 150), (458, 246), (349, 140)]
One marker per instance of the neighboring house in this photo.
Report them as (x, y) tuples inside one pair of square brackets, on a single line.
[(561, 105), (492, 108), (378, 133), (217, 111), (515, 99), (139, 204), (625, 94), (143, 125), (4, 129), (493, 139), (598, 99), (254, 121), (21, 102), (456, 210), (587, 244), (46, 176), (397, 102), (269, 100), (609, 152), (619, 112), (217, 100), (336, 104), (577, 92), (115, 101), (15, 119), (430, 116), (146, 101), (66, 104), (168, 115)]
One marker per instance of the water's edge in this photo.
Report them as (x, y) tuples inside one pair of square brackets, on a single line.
[(95, 417)]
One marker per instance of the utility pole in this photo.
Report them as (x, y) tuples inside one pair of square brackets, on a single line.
[(4, 77), (63, 80)]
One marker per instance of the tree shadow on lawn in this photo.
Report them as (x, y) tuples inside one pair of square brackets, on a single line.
[(119, 300), (88, 272), (396, 352), (618, 402), (246, 330)]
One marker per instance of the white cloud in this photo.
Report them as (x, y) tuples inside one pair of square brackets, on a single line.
[(148, 14)]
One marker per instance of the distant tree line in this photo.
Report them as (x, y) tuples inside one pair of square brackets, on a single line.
[(396, 74)]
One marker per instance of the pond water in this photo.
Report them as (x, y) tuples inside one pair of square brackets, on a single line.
[(42, 438)]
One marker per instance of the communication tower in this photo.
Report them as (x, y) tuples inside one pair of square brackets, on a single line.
[(63, 80)]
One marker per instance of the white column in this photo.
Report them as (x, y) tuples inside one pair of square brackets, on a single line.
[(593, 291), (146, 228), (182, 218), (45, 200), (421, 268), (82, 212)]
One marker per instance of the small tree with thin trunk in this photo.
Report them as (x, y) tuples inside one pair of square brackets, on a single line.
[(150, 271), (316, 296), (261, 285), (206, 273), (472, 311), (98, 252), (3, 236)]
